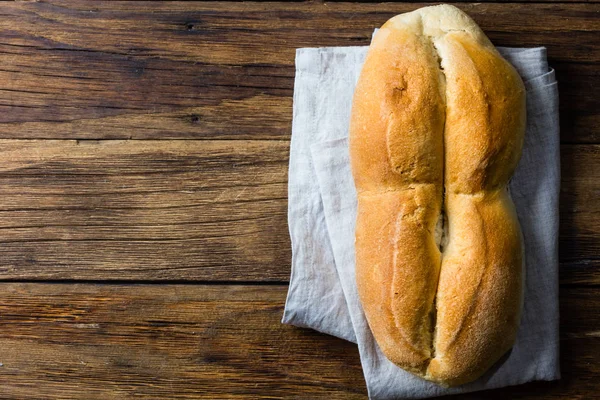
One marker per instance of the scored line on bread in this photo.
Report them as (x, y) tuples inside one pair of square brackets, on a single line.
[(437, 126)]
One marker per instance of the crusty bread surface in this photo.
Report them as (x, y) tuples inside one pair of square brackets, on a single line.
[(436, 131)]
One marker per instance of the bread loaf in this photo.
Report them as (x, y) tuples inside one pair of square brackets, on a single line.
[(437, 126)]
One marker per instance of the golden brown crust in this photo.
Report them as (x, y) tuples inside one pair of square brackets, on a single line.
[(485, 114), (478, 297), (398, 272), (436, 108), (397, 159), (398, 114)]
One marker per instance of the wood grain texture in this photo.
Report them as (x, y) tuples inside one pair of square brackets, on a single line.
[(194, 210), (188, 341), (213, 207), (579, 246), (202, 70), (212, 210)]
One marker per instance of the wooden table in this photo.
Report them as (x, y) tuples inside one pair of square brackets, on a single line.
[(143, 167)]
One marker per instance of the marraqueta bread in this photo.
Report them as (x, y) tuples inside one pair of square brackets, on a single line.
[(437, 127)]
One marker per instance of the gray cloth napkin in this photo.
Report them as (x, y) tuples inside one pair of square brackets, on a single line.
[(322, 210)]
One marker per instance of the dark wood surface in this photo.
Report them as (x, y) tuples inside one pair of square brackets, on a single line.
[(216, 341), (143, 183)]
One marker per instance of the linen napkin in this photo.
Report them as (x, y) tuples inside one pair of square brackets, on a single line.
[(322, 210)]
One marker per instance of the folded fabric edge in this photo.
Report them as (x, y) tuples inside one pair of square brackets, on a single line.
[(315, 150)]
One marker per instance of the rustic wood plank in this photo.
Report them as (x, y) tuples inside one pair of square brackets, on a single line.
[(194, 210), (89, 341), (579, 119), (580, 214), (144, 209), (215, 70), (187, 341)]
